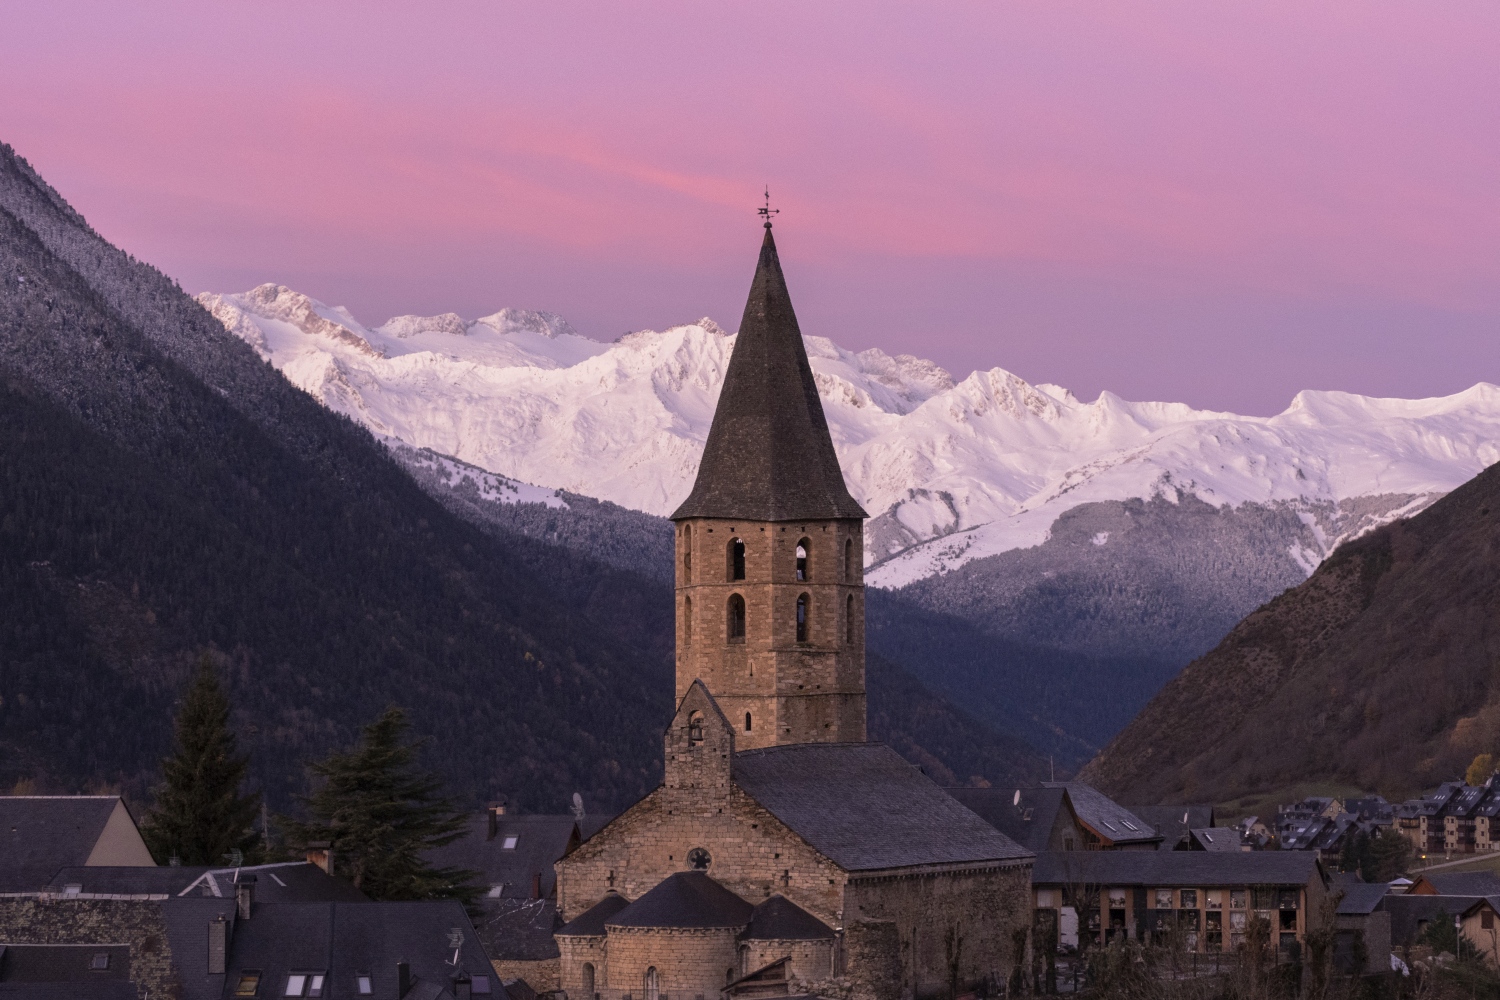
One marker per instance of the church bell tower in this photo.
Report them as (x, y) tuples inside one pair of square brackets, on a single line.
[(770, 557)]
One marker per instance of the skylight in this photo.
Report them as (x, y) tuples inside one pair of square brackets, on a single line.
[(363, 982), (249, 983), (510, 843)]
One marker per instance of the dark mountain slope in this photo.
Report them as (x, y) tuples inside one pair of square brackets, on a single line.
[(1381, 671), (162, 490)]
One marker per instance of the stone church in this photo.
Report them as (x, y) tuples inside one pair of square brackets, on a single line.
[(783, 853)]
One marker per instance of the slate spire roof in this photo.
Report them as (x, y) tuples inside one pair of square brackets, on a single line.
[(769, 456)]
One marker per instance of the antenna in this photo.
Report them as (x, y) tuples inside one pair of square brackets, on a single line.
[(766, 211), (456, 942)]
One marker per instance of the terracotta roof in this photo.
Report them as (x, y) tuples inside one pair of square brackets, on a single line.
[(866, 809), (686, 899), (780, 919), (769, 456)]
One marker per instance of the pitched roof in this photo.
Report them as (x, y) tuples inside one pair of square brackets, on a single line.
[(865, 808), (1409, 913), (769, 456), (282, 882), (345, 940), (1361, 897), (1104, 815), (187, 919), (590, 923), (1025, 815), (40, 834), (780, 919), (685, 899), (1168, 821), (518, 930), (1217, 838), (1459, 883), (539, 841), (1169, 868)]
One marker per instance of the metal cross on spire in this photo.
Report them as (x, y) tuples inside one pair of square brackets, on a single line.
[(766, 211)]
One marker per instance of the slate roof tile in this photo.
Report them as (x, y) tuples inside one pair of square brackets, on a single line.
[(866, 809), (685, 899)]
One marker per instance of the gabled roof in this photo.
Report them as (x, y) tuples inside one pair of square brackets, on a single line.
[(1217, 838), (40, 834), (1456, 884), (590, 923), (866, 809), (1176, 868), (1168, 821), (1409, 913), (1025, 815), (345, 940), (780, 919), (769, 456), (685, 899), (519, 930), (1104, 816)]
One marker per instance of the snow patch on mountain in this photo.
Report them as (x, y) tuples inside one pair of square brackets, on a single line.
[(949, 471)]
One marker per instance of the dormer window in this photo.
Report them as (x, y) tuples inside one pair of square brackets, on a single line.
[(802, 602), (735, 623), (736, 559), (802, 548)]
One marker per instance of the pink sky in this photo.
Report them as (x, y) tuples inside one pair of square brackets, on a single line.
[(1213, 202)]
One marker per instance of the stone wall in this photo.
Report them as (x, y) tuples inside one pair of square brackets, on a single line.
[(541, 975), (951, 925), (577, 952), (811, 961), (752, 854), (689, 962), (794, 692), (137, 923)]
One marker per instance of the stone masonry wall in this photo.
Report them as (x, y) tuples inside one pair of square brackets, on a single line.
[(690, 962), (812, 961), (950, 924), (807, 692), (137, 923)]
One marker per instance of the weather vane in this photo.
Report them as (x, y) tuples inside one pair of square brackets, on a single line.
[(766, 211)]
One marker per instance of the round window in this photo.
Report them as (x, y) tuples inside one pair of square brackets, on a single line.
[(699, 859)]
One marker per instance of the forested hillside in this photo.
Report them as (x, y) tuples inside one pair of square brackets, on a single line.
[(1382, 671), (163, 492)]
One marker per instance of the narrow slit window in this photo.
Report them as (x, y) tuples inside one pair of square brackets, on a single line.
[(850, 574), (736, 559), (735, 631), (747, 722), (802, 618), (851, 631), (687, 621), (687, 548), (802, 548)]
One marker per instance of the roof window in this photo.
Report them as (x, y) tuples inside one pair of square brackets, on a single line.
[(495, 891), (362, 984), (480, 986), (510, 843), (99, 962), (72, 889), (249, 984)]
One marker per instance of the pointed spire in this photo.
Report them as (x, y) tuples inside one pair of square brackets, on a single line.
[(769, 456)]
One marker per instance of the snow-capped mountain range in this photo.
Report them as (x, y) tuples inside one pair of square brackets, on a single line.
[(949, 471)]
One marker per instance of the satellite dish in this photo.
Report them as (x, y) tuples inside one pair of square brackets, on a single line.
[(1016, 800), (1184, 818), (577, 806)]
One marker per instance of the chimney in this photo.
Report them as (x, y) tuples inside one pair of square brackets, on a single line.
[(536, 885), (320, 853), (244, 895), (463, 987), (494, 810), (218, 945), (403, 979)]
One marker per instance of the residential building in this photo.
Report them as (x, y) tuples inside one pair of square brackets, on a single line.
[(1200, 901), (44, 833)]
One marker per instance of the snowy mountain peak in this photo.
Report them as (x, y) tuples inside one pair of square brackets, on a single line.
[(950, 471)]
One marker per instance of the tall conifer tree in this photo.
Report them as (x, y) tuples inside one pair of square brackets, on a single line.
[(200, 815), (379, 812)]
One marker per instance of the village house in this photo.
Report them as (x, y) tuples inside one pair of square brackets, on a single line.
[(1198, 901), (45, 833), (775, 815)]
